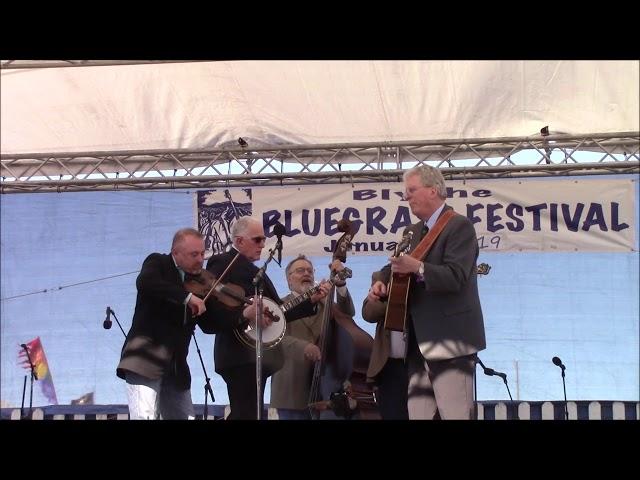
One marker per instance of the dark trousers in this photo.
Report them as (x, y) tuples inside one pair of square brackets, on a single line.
[(241, 387), (393, 385)]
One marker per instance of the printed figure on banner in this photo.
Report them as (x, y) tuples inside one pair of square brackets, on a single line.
[(217, 211)]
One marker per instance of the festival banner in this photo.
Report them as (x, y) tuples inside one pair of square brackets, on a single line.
[(509, 215)]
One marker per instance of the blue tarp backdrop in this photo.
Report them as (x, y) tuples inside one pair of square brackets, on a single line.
[(582, 307)]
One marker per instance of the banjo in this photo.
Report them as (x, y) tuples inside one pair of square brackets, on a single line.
[(274, 333)]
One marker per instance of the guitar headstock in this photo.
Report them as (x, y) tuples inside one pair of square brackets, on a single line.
[(483, 269), (404, 244)]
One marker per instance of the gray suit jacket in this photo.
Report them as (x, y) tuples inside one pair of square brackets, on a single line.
[(445, 308)]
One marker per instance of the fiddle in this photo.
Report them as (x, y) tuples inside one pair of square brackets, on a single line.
[(206, 284)]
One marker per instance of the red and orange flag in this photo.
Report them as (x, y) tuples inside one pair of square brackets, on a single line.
[(41, 368)]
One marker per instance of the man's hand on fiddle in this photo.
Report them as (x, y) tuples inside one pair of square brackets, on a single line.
[(197, 306)]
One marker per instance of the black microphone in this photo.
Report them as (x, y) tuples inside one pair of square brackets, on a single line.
[(491, 372), (279, 230), (558, 362), (107, 321)]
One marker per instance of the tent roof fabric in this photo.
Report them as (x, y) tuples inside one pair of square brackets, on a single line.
[(205, 105)]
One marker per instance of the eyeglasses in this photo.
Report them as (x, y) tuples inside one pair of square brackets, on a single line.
[(259, 239), (301, 270), (412, 190)]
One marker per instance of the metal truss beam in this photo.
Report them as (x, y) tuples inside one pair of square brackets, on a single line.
[(585, 154)]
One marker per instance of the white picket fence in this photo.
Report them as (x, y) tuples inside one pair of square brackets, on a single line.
[(581, 410), (577, 410)]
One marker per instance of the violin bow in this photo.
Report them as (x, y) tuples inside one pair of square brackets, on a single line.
[(217, 282)]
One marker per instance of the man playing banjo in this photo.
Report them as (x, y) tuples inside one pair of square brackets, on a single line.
[(234, 360)]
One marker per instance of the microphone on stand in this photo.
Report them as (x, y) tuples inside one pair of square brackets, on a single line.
[(107, 321), (279, 230), (491, 372), (556, 361)]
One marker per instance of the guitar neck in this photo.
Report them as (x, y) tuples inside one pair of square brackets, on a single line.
[(294, 302)]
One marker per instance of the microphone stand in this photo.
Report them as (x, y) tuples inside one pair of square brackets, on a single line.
[(504, 379), (259, 287), (207, 381), (118, 322), (491, 372), (34, 376), (564, 387), (475, 389)]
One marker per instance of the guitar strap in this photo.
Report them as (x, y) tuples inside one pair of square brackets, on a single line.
[(421, 250)]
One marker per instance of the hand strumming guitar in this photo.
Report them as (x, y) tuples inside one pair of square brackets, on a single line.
[(377, 292)]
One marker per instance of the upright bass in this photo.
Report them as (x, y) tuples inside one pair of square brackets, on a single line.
[(339, 387)]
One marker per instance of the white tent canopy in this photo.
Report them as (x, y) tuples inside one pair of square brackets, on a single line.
[(580, 305), (205, 105)]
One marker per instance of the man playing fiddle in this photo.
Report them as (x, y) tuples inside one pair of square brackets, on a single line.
[(154, 356)]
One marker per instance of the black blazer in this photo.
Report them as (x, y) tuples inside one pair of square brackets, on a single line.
[(158, 341), (230, 352)]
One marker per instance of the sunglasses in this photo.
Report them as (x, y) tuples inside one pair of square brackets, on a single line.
[(258, 239)]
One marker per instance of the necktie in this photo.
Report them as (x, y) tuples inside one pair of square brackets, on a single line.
[(425, 230)]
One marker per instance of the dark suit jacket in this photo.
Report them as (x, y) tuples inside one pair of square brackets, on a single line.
[(228, 351), (158, 341), (445, 309)]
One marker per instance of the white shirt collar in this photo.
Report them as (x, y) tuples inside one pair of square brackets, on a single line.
[(180, 271), (434, 217)]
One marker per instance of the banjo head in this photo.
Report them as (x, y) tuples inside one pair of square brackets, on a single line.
[(271, 335)]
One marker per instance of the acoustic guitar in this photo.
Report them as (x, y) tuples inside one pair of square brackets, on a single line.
[(398, 291)]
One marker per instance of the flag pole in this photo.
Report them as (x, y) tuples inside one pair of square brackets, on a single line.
[(24, 388), (33, 376)]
